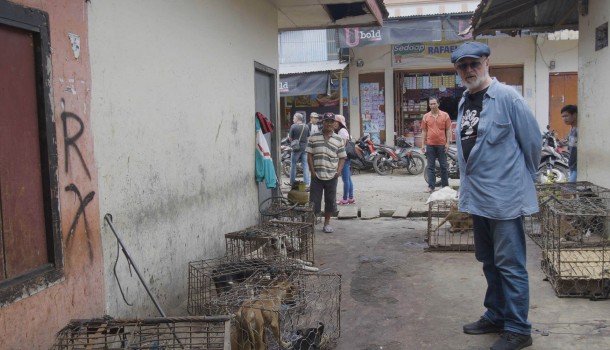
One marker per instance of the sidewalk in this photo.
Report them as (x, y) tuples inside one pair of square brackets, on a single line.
[(395, 296)]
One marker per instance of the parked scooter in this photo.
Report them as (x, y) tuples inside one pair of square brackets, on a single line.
[(365, 149), (553, 165), (286, 154), (401, 156), (452, 167)]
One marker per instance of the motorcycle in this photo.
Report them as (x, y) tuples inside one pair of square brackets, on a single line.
[(366, 151), (553, 164), (286, 154), (453, 169), (401, 156)]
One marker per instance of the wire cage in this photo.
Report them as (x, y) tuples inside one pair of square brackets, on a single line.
[(531, 225), (563, 190), (569, 190), (280, 208), (292, 311), (209, 280), (274, 238), (449, 229), (212, 332), (575, 245)]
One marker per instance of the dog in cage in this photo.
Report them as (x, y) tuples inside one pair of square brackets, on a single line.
[(577, 228), (263, 312), (459, 222), (226, 275), (308, 338), (277, 246)]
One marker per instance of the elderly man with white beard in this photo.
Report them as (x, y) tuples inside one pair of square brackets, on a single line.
[(498, 154)]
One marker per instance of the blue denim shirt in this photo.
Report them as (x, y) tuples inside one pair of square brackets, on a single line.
[(497, 182)]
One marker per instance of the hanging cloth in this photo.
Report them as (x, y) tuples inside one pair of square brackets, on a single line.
[(264, 168)]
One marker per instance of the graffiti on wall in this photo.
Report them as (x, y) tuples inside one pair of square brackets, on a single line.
[(70, 141)]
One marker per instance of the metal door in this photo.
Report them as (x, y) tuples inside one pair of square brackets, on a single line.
[(265, 102)]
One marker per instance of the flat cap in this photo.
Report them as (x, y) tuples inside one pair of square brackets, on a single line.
[(472, 49)]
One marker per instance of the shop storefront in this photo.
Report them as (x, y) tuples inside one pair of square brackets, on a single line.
[(392, 102), (414, 86), (318, 92)]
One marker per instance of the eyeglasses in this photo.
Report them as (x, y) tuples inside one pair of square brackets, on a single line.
[(472, 65)]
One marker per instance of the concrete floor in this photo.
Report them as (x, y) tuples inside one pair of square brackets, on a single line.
[(396, 296)]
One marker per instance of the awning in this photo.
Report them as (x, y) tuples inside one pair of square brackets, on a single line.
[(307, 78), (517, 17), (304, 84)]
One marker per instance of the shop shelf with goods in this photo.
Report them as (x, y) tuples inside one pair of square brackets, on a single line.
[(414, 89)]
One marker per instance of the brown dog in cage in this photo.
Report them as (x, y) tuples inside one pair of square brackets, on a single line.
[(460, 222), (257, 314)]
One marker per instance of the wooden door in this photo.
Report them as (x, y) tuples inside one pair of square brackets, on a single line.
[(563, 91)]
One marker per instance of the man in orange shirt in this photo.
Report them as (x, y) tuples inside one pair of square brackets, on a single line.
[(436, 127)]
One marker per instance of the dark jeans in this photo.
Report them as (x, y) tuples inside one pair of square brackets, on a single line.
[(329, 187), (500, 246), (432, 154)]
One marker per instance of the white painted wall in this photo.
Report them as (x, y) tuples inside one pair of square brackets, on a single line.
[(593, 118), (504, 51), (173, 122)]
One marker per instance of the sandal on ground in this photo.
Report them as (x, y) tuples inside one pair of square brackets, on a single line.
[(342, 201), (351, 201), (327, 229)]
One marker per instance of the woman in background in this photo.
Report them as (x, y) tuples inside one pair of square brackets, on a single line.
[(346, 173)]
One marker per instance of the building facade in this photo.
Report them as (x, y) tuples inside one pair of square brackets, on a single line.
[(404, 70)]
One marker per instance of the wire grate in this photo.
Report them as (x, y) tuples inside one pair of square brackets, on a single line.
[(153, 333)]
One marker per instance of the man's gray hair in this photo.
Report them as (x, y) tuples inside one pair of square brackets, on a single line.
[(299, 117)]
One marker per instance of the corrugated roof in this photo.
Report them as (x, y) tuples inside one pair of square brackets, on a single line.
[(467, 13), (515, 16), (311, 67)]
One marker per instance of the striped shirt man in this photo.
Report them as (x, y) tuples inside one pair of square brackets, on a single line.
[(326, 154)]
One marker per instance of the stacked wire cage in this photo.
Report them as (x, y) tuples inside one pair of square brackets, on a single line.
[(449, 229), (575, 229), (282, 238), (211, 278), (210, 332), (281, 209), (274, 306), (562, 190)]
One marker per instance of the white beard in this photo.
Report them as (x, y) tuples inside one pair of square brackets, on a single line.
[(477, 83)]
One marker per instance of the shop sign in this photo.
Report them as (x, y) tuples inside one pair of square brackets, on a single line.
[(412, 30), (391, 33), (414, 53)]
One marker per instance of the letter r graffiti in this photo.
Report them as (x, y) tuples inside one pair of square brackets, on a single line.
[(70, 141)]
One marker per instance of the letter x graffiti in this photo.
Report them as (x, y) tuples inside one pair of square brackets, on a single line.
[(80, 211)]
